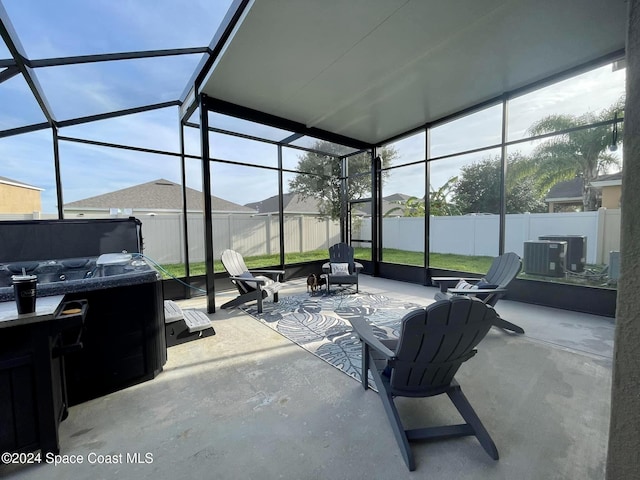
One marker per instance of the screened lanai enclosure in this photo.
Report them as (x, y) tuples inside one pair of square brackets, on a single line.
[(430, 137)]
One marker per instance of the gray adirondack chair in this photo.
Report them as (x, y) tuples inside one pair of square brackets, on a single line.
[(423, 361), (250, 286), (341, 255), (504, 269)]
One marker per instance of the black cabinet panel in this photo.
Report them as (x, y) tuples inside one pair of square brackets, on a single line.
[(123, 341)]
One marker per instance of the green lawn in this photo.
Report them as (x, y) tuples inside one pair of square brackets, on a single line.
[(461, 263), (445, 261), (448, 261)]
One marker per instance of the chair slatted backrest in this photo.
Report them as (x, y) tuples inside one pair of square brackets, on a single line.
[(342, 253), (504, 269), (234, 265), (435, 341)]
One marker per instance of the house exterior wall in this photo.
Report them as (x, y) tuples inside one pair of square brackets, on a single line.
[(611, 196), (16, 199), (623, 461), (565, 206)]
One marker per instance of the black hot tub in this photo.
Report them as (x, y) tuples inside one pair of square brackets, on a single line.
[(123, 338), (68, 275)]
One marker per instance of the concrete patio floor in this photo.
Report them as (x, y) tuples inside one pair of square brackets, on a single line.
[(249, 404)]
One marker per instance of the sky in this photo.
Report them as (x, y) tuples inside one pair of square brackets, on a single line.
[(78, 27), (588, 92)]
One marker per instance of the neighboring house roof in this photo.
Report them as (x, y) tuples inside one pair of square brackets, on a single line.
[(16, 183), (610, 180), (570, 190), (292, 203), (396, 201), (159, 194), (397, 197), (387, 206)]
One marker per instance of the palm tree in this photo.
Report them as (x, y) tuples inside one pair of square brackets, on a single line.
[(440, 200), (581, 152), (411, 207), (439, 203)]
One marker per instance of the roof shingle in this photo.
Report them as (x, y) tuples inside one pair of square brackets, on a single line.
[(158, 194)]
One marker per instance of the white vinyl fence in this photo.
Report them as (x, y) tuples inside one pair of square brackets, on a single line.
[(164, 241), (250, 235), (478, 234)]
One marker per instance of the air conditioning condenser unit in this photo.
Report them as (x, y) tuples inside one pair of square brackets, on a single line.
[(544, 257)]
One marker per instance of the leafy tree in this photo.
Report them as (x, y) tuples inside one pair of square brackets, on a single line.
[(583, 153), (478, 187), (321, 179)]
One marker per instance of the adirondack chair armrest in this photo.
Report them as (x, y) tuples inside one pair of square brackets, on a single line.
[(454, 279), (258, 281), (475, 291), (365, 332), (445, 283), (275, 274)]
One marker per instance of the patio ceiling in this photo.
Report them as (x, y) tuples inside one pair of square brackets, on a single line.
[(373, 69)]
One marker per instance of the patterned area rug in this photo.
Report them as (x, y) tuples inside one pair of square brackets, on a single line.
[(320, 324)]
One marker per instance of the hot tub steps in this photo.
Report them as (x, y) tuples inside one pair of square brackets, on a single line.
[(185, 325), (197, 321), (172, 312)]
